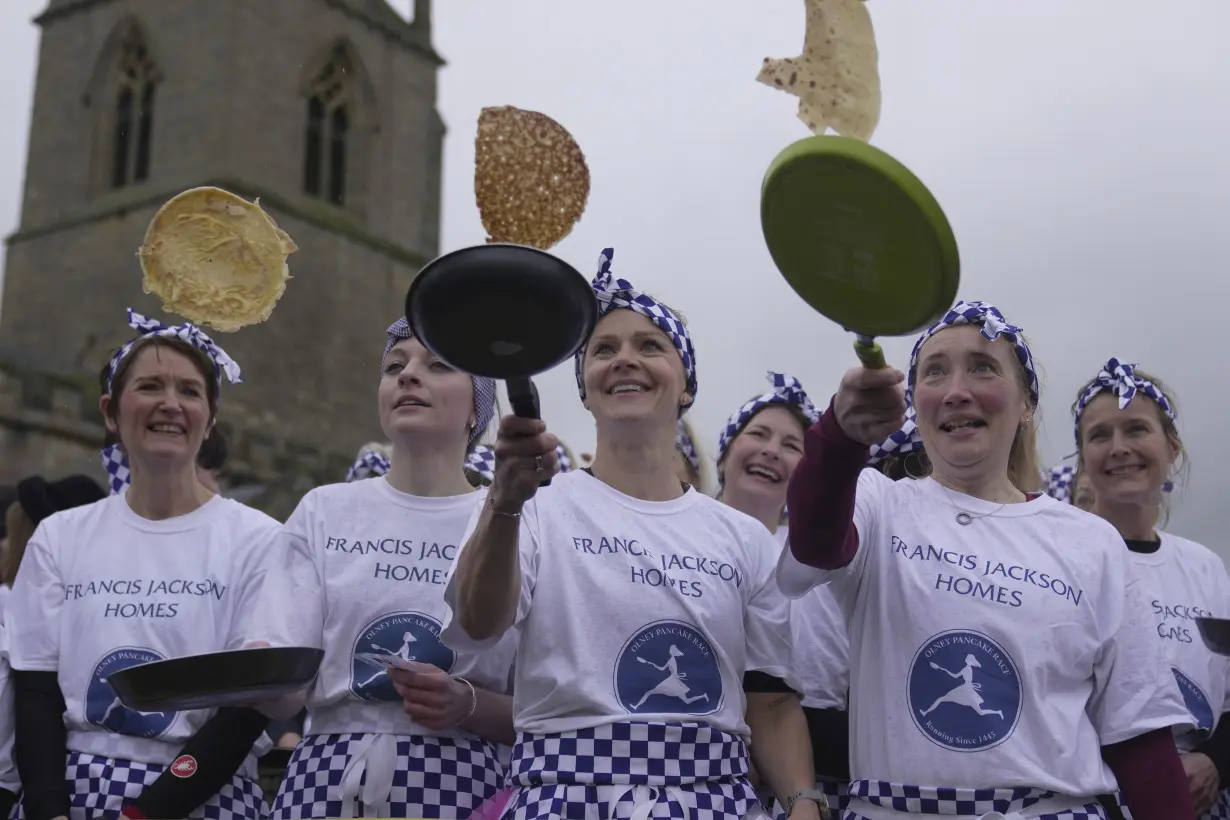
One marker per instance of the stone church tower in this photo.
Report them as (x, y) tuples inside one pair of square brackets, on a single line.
[(325, 110)]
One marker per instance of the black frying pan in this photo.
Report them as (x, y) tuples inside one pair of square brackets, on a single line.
[(502, 311), (236, 677), (1216, 634)]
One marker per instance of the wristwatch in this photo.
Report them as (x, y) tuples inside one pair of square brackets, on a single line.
[(817, 797)]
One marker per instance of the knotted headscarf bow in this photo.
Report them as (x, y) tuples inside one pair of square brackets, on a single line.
[(786, 391), (992, 325), (1120, 378), (114, 458), (613, 294)]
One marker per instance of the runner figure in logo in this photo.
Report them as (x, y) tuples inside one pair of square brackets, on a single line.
[(410, 636), (965, 693), (1196, 701), (668, 667), (104, 708), (977, 712)]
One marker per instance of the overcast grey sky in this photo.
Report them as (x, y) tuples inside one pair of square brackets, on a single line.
[(1077, 148)]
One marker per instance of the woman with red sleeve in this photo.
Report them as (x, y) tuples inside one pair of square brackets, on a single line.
[(1001, 664)]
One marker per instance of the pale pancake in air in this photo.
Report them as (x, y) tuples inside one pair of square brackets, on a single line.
[(216, 259), (837, 77), (530, 177)]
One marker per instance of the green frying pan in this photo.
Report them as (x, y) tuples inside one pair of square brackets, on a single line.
[(860, 238)]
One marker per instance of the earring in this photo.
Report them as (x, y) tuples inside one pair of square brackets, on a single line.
[(685, 400)]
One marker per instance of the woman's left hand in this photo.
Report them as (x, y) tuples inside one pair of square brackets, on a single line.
[(431, 696), (1202, 779), (283, 708)]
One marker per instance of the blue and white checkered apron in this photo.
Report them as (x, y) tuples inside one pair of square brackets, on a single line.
[(1220, 809), (100, 787), (633, 770), (437, 777), (837, 793), (895, 797)]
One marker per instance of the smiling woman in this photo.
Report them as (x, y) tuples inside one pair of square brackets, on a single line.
[(758, 450), (73, 624), (393, 705), (951, 589), (693, 651), (1129, 449)]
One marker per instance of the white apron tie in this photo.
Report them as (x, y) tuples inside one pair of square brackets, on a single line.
[(375, 754)]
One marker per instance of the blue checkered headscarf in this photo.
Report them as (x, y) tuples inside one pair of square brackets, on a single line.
[(1120, 378), (992, 325), (371, 463), (786, 391), (683, 441), (114, 458), (189, 333), (481, 461), (1058, 482), (484, 388), (615, 293)]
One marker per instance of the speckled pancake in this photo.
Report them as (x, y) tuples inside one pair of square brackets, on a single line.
[(216, 259), (837, 78), (530, 177)]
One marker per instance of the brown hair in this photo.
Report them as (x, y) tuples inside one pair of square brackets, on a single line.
[(796, 413), (1182, 468), (20, 528), (198, 357), (1024, 465)]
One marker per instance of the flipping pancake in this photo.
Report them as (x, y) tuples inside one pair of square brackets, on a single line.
[(837, 78), (215, 259), (530, 177)]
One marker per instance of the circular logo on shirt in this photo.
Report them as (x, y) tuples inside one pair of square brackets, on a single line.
[(184, 766), (1196, 700), (103, 707), (668, 666), (410, 636), (964, 691)]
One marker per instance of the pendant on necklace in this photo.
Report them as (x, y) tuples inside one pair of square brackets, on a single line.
[(964, 519)]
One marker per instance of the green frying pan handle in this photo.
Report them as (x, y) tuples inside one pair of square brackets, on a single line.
[(869, 353)]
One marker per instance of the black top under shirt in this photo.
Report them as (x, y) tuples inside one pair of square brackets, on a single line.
[(1217, 747)]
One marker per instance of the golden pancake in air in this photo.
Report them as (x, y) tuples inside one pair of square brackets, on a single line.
[(530, 177), (837, 77), (215, 259)]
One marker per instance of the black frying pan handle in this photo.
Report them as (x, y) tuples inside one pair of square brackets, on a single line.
[(523, 396)]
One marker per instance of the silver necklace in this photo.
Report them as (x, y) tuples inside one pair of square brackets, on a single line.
[(966, 518)]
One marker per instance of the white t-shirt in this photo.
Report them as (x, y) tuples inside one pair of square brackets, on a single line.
[(821, 645), (1184, 580), (1004, 653), (8, 767), (636, 610), (384, 558), (101, 589)]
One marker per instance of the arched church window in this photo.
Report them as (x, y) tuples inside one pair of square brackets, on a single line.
[(330, 98), (133, 133)]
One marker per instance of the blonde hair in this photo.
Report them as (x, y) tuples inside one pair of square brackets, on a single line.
[(20, 529)]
